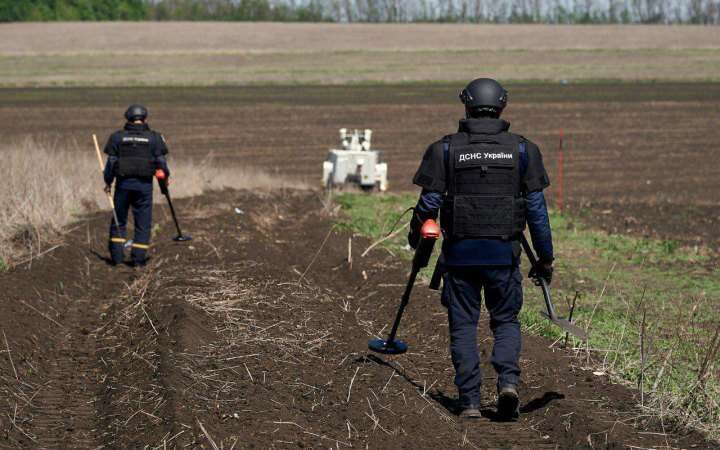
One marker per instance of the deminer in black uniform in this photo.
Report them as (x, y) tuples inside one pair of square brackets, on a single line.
[(134, 155), (486, 184)]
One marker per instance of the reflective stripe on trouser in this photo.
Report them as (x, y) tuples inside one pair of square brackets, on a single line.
[(503, 300), (141, 204)]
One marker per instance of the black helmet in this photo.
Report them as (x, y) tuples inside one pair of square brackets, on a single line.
[(484, 93), (136, 112)]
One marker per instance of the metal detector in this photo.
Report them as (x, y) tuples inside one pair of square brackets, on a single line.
[(162, 181), (565, 324), (429, 233)]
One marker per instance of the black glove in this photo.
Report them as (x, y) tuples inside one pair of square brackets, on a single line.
[(542, 270), (416, 224), (414, 237)]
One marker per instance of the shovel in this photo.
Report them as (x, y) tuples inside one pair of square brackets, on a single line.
[(162, 181), (109, 196), (429, 233), (565, 324)]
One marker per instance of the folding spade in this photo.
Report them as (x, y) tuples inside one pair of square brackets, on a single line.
[(551, 315), (429, 233)]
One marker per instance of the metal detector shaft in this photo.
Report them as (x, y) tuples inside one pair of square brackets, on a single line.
[(551, 314), (403, 304), (166, 193)]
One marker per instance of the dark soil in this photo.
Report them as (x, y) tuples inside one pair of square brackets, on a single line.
[(643, 151), (254, 335)]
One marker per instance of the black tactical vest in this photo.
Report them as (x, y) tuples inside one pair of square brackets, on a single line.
[(135, 156), (484, 198)]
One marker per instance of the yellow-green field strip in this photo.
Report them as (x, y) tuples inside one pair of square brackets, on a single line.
[(356, 67)]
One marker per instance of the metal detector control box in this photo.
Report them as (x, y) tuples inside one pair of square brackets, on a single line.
[(355, 164)]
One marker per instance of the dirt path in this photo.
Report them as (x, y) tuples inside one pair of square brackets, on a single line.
[(49, 311), (244, 338)]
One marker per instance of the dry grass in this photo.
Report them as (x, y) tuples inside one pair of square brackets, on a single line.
[(203, 54), (46, 188)]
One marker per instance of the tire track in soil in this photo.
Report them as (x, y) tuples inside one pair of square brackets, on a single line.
[(67, 411), (51, 310)]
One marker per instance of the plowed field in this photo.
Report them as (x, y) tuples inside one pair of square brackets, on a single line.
[(639, 157), (254, 335)]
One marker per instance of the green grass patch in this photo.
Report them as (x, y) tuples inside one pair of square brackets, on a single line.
[(627, 288), (374, 215)]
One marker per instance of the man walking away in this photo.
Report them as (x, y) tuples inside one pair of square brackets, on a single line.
[(134, 154), (486, 184)]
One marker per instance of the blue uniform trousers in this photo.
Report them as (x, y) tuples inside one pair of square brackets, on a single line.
[(502, 289), (140, 200)]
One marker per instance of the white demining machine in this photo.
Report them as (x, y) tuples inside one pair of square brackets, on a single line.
[(355, 164)]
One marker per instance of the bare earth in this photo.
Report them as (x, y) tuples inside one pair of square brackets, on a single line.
[(636, 155), (112, 54), (219, 344)]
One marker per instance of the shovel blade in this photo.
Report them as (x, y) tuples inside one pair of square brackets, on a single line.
[(567, 326), (394, 347), (182, 238)]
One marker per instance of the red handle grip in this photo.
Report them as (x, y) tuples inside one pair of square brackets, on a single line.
[(430, 230)]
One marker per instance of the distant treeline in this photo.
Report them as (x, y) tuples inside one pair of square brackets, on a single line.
[(472, 11), (48, 10)]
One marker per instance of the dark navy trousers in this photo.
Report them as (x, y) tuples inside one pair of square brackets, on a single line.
[(502, 289), (140, 200)]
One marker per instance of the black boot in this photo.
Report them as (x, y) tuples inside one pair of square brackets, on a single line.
[(508, 404), (470, 412), (116, 246), (139, 254)]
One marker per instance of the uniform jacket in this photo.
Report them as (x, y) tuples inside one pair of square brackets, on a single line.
[(158, 149), (432, 177)]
